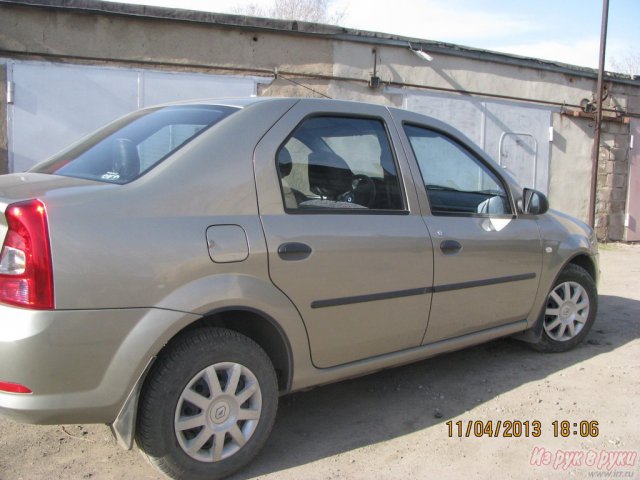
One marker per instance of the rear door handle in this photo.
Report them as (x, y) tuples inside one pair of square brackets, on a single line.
[(294, 251), (450, 247)]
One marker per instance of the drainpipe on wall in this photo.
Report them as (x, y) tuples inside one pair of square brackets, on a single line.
[(595, 154), (5, 89)]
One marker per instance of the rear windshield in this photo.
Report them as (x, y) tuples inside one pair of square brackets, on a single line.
[(130, 147)]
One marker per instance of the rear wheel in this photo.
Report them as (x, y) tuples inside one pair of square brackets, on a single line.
[(208, 405), (570, 310)]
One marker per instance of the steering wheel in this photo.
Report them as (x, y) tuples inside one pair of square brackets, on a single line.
[(363, 191)]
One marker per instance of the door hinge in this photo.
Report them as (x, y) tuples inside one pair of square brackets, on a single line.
[(10, 91)]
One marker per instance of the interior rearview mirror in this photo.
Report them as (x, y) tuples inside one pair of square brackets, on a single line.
[(533, 202)]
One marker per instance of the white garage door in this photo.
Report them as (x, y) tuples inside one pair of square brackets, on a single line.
[(514, 135), (55, 105)]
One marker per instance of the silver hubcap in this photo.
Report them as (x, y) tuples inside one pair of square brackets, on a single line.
[(218, 411), (567, 311)]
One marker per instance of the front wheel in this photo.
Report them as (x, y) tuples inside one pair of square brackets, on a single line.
[(208, 405), (570, 310)]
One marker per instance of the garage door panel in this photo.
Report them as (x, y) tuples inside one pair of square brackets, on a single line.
[(162, 87), (512, 133), (461, 113), (517, 137), (55, 105)]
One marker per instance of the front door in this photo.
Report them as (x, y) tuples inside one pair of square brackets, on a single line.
[(487, 260), (345, 238)]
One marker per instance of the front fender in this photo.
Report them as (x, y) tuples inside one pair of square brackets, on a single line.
[(564, 240)]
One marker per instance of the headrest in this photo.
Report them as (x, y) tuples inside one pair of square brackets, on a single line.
[(329, 174), (126, 161), (285, 163)]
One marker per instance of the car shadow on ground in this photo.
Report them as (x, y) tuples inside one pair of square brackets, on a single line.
[(341, 417)]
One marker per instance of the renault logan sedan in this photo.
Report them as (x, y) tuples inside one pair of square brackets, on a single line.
[(175, 272)]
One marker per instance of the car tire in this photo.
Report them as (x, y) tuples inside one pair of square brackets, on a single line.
[(569, 312), (208, 405)]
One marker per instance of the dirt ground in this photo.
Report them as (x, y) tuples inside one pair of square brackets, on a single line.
[(394, 425)]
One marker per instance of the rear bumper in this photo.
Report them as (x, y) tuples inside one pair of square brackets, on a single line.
[(80, 364)]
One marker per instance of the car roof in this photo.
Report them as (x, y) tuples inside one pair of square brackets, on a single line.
[(243, 102), (238, 102)]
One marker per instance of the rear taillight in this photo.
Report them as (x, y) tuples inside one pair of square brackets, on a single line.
[(26, 274), (14, 388)]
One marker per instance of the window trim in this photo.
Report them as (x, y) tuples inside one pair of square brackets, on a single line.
[(344, 211), (478, 158)]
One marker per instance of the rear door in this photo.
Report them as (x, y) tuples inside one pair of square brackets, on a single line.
[(346, 241), (487, 259)]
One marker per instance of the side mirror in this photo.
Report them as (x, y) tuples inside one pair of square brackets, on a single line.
[(533, 202)]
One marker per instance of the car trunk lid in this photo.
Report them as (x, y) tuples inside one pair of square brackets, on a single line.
[(18, 187)]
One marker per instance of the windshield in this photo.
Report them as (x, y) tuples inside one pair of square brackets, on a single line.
[(128, 148)]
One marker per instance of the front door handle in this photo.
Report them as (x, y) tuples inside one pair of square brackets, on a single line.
[(294, 251), (450, 247)]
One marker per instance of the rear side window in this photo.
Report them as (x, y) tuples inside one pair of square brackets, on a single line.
[(132, 146), (456, 181), (339, 163)]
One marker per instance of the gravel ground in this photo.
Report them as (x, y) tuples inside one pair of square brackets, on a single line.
[(394, 425)]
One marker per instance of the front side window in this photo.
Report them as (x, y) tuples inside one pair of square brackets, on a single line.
[(339, 163), (456, 181), (127, 149)]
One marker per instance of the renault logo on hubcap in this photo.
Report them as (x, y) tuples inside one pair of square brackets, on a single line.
[(219, 413)]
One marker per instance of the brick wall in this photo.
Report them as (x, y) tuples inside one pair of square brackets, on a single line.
[(613, 169)]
